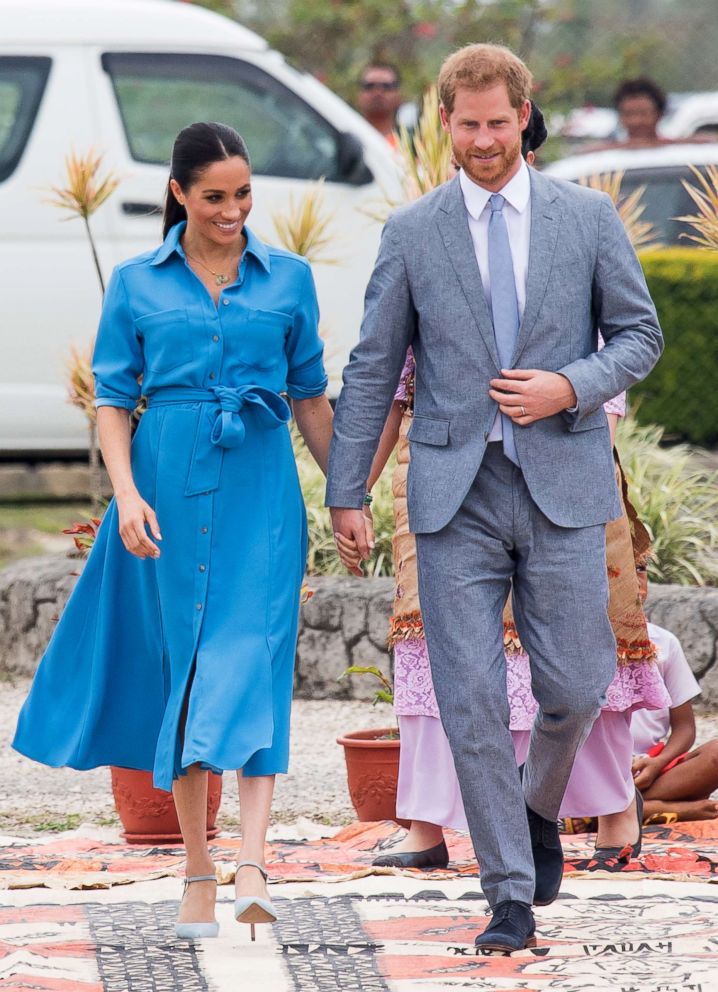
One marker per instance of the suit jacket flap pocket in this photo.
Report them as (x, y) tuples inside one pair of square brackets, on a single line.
[(591, 421), (429, 431)]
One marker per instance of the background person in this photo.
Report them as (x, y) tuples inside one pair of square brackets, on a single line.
[(175, 652), (379, 98), (676, 782)]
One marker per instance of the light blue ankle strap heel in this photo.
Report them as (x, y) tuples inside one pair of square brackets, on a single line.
[(197, 931), (253, 909)]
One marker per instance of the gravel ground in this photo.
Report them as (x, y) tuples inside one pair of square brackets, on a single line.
[(35, 799)]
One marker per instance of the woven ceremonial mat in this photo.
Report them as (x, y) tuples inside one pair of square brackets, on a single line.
[(393, 940), (681, 852)]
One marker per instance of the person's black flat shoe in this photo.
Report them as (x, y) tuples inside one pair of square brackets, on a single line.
[(615, 858), (548, 857), (432, 857), (512, 928)]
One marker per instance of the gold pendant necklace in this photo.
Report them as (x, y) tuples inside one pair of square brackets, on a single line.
[(219, 277)]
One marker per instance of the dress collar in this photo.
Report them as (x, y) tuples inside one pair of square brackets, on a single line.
[(171, 245), (517, 192)]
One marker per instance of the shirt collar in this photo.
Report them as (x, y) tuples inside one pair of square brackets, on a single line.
[(517, 192), (171, 244)]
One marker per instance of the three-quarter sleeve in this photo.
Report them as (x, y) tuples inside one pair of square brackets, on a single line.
[(117, 361), (306, 376)]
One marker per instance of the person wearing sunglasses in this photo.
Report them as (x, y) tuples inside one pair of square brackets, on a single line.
[(379, 98)]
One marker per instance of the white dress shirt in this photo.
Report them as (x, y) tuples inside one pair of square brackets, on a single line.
[(517, 215)]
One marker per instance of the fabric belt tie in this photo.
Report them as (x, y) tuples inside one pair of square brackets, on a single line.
[(221, 425)]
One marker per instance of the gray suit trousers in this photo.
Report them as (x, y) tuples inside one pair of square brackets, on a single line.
[(498, 540)]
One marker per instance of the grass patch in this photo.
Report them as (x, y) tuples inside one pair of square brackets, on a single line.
[(49, 824), (28, 529)]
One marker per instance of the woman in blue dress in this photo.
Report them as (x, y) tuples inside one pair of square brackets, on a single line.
[(176, 649)]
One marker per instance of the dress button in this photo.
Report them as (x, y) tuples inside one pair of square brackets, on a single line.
[(213, 375), (203, 568), (204, 530), (225, 302), (199, 606), (215, 338)]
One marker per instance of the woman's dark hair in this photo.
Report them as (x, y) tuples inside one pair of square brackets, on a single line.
[(535, 132), (196, 147), (641, 86)]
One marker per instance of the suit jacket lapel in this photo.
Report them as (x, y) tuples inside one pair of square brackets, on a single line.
[(545, 223), (453, 227)]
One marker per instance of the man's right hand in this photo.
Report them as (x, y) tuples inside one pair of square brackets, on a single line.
[(353, 535)]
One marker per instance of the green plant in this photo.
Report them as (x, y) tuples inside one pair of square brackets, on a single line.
[(385, 694), (642, 235), (322, 557), (680, 392), (304, 227), (705, 197), (676, 499)]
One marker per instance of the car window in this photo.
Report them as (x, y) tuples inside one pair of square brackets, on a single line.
[(159, 94), (22, 82), (664, 199)]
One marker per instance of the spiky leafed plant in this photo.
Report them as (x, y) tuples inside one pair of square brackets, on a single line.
[(425, 155), (677, 499), (630, 208), (81, 393), (705, 197), (305, 227), (84, 193)]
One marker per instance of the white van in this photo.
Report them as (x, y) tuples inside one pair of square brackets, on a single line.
[(124, 76)]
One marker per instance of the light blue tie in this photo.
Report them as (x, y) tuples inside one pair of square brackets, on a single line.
[(504, 303)]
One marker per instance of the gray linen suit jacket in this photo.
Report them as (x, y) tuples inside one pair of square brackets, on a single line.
[(426, 291)]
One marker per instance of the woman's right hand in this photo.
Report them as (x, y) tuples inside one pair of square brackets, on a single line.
[(135, 515)]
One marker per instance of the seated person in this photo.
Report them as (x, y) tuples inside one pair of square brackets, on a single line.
[(676, 783)]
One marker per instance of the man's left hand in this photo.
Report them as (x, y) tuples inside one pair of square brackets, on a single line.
[(528, 395)]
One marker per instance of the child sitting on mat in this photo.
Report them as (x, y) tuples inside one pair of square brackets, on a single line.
[(676, 783)]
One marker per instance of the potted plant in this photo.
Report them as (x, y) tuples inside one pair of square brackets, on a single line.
[(372, 758)]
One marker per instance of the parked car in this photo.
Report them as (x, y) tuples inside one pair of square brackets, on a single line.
[(659, 169), (124, 76), (691, 115)]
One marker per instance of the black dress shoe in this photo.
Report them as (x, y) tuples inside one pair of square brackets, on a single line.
[(512, 928), (615, 858), (432, 857), (548, 857)]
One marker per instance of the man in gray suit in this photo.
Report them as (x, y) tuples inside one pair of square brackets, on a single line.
[(500, 280)]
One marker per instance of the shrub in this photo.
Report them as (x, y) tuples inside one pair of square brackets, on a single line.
[(680, 393), (678, 502)]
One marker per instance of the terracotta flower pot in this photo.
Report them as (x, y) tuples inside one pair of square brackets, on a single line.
[(372, 758), (148, 814)]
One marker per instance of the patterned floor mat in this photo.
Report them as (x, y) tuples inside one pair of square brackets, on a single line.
[(681, 852), (386, 942)]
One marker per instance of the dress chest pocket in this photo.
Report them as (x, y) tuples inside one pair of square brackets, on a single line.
[(260, 338), (167, 339)]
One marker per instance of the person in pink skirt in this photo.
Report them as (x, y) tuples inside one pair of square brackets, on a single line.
[(601, 784)]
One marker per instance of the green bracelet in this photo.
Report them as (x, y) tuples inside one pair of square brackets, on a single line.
[(368, 499)]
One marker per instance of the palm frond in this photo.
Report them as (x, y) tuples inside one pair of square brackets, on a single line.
[(80, 381), (630, 208), (305, 227), (85, 190), (705, 197)]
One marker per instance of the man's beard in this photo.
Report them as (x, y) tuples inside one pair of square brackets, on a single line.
[(480, 174)]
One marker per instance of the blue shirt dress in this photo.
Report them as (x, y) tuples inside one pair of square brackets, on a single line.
[(211, 625)]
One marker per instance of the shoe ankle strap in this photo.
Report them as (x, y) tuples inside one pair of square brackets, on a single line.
[(253, 864), (199, 878)]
